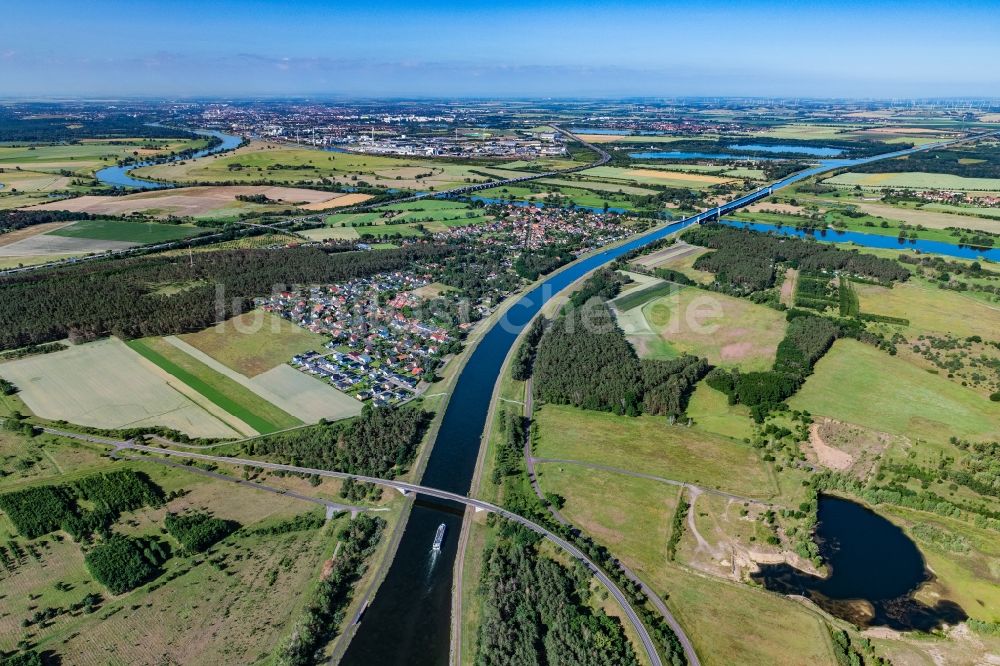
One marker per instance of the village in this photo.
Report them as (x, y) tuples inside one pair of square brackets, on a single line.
[(385, 335)]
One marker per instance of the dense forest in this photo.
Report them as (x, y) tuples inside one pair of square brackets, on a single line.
[(982, 161), (42, 509), (123, 563), (325, 611), (44, 126), (536, 612), (743, 260), (198, 531), (378, 443), (120, 297), (585, 360)]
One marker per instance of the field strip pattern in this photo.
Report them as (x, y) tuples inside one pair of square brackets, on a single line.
[(302, 396), (229, 404)]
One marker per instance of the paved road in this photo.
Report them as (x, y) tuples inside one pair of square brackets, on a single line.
[(651, 477), (603, 158), (406, 488), (330, 505), (654, 598)]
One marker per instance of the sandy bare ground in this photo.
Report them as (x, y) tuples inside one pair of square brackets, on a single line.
[(788, 286), (930, 218), (827, 455), (191, 201), (339, 201), (44, 245), (675, 251), (36, 230)]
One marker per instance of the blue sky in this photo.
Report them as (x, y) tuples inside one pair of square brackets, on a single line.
[(513, 48)]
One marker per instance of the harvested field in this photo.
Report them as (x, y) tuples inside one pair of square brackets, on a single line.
[(195, 201), (48, 244), (338, 202), (933, 219), (106, 385), (12, 237), (301, 395), (653, 176), (915, 180), (254, 342), (666, 255)]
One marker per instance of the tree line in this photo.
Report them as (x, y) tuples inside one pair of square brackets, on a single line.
[(380, 442), (120, 297), (537, 612), (743, 260), (324, 613), (806, 340)]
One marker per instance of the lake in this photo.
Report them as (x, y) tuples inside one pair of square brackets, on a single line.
[(118, 176), (874, 240), (786, 148), (874, 569)]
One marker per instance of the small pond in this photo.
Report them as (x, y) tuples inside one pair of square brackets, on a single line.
[(874, 570)]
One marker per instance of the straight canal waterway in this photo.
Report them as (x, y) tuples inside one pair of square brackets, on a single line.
[(408, 622)]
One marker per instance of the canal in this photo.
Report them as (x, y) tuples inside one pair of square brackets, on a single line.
[(408, 622)]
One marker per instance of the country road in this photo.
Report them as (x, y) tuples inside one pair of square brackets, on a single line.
[(405, 488), (603, 158), (654, 598)]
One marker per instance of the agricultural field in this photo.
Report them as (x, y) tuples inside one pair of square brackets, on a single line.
[(653, 176), (31, 173), (860, 384), (254, 342), (105, 384), (212, 382), (282, 165), (727, 331), (213, 202), (930, 309), (432, 215), (300, 395), (140, 233), (810, 132), (915, 180), (646, 444), (936, 216)]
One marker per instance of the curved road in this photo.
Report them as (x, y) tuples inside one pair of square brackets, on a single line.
[(603, 158), (654, 598), (405, 487)]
